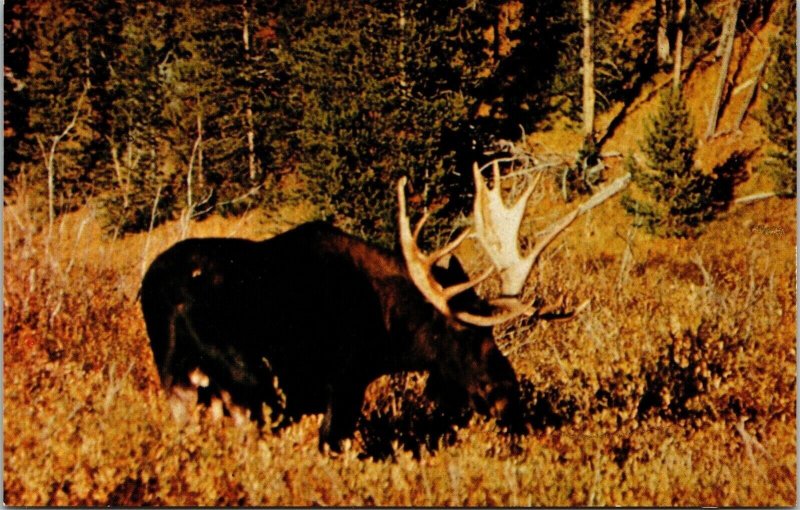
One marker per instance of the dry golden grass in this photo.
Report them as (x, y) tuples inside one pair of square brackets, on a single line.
[(676, 387)]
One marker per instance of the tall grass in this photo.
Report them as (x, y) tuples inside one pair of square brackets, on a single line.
[(675, 387)]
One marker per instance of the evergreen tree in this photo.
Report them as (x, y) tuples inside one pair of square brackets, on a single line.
[(56, 98), (671, 196), (233, 92), (181, 91), (383, 95), (144, 167), (527, 82), (779, 119), (543, 73), (223, 92), (17, 44), (103, 28)]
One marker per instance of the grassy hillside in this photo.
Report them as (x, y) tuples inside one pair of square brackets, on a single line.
[(675, 387)]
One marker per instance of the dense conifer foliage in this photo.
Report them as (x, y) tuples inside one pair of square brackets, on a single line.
[(674, 196), (180, 109), (780, 116)]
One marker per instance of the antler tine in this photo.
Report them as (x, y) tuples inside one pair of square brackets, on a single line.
[(420, 223), (519, 205), (497, 228), (513, 311), (401, 201), (551, 234), (405, 225), (598, 198), (420, 265), (454, 290)]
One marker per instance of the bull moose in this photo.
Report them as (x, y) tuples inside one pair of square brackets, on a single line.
[(324, 314)]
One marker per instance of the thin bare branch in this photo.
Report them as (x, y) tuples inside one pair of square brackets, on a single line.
[(755, 197), (153, 212), (559, 226)]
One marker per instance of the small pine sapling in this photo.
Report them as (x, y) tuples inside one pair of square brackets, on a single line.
[(670, 196)]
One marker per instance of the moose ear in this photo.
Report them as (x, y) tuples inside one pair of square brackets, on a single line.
[(450, 272)]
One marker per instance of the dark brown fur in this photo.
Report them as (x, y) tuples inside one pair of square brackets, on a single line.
[(324, 312)]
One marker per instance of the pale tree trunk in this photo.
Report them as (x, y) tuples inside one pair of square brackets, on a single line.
[(251, 147), (49, 157), (728, 29), (730, 22), (588, 69), (402, 49), (201, 178), (497, 31), (752, 93), (121, 180), (196, 155), (680, 20), (662, 39), (153, 212)]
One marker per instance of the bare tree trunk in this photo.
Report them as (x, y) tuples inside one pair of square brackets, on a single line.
[(188, 213), (752, 92), (251, 148), (713, 116), (121, 180), (153, 213), (50, 159), (401, 50), (755, 197), (588, 69), (680, 20), (662, 39), (728, 30), (201, 179)]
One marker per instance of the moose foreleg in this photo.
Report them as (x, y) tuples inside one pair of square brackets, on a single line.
[(342, 412)]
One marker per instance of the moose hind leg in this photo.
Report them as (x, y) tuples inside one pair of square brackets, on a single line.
[(341, 415), (450, 397)]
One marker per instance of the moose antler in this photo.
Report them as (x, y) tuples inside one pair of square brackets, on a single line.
[(420, 264), (420, 267), (497, 229)]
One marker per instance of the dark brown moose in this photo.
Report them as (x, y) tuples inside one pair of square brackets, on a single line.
[(324, 314)]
